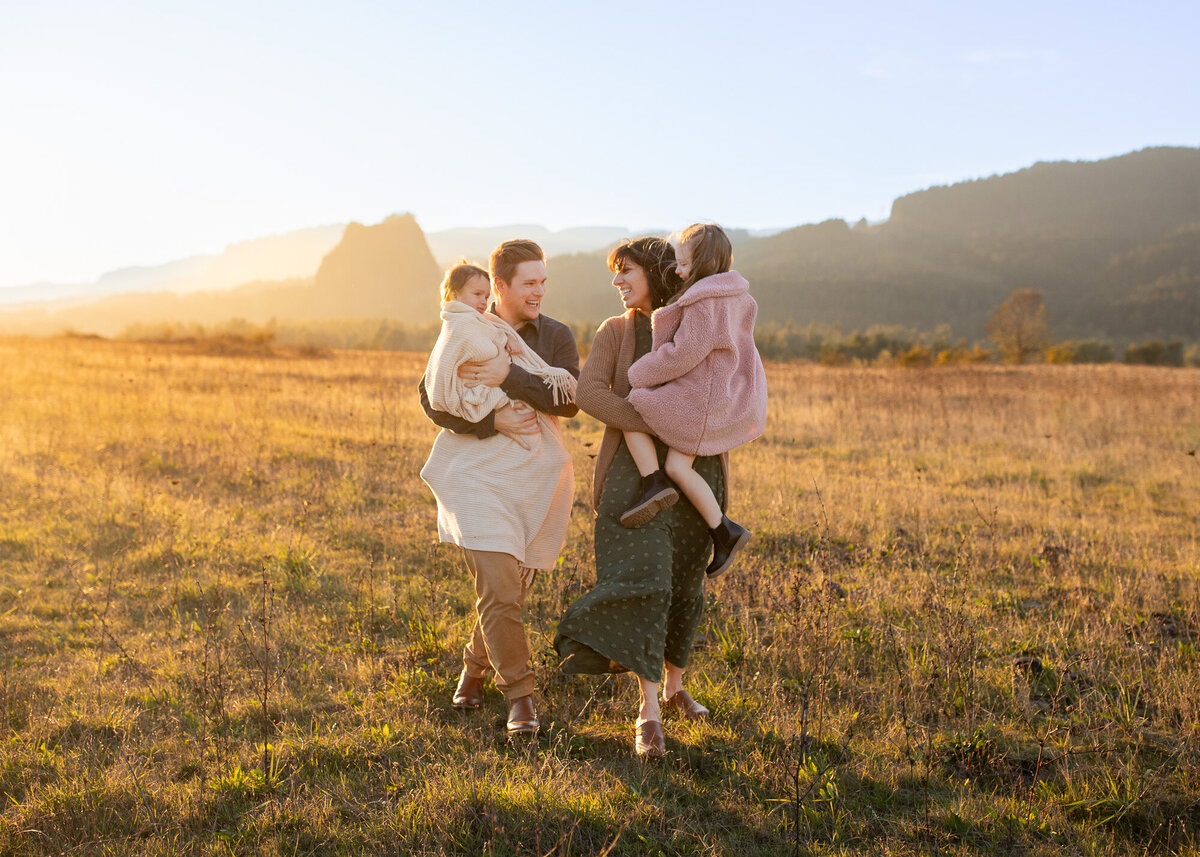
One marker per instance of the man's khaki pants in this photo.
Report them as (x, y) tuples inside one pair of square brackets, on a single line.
[(498, 640)]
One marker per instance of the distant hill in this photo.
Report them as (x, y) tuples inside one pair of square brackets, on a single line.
[(381, 271), (275, 257), (1111, 244), (1165, 295)]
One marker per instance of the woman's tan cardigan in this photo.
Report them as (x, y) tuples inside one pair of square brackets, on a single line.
[(603, 391)]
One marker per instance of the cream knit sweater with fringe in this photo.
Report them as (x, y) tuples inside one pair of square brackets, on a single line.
[(492, 494)]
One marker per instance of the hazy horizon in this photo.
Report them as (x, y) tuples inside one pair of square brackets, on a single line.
[(215, 252)]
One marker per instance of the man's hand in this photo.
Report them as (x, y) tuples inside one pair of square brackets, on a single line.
[(517, 421), (488, 372)]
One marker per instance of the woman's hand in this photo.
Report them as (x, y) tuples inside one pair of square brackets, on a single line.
[(517, 420), (490, 373)]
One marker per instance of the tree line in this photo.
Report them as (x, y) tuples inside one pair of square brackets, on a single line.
[(1018, 332)]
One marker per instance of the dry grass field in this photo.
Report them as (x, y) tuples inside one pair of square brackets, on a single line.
[(968, 623)]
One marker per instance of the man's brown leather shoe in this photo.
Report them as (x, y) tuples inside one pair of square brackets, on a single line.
[(469, 692), (683, 703), (522, 719), (649, 743)]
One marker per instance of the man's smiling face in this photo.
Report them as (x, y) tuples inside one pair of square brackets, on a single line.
[(520, 300)]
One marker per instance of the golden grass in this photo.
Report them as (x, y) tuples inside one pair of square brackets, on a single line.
[(968, 622)]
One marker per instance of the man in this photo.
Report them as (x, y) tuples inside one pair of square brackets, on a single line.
[(498, 641)]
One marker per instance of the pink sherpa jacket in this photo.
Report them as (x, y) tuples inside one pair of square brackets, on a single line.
[(703, 389)]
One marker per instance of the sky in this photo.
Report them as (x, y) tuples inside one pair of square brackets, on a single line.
[(134, 133)]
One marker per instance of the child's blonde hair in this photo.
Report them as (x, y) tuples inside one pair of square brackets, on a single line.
[(457, 276), (711, 251)]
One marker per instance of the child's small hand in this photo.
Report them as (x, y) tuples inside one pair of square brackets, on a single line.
[(514, 347)]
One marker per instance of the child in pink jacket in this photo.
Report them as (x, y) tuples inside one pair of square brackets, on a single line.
[(702, 388)]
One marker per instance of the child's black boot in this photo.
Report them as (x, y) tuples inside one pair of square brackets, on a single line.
[(657, 494), (728, 538)]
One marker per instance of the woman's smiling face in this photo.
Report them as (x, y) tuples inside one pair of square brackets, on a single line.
[(631, 280)]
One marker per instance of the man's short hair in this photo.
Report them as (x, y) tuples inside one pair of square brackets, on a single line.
[(508, 255)]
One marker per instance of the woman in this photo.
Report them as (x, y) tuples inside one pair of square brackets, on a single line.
[(649, 595)]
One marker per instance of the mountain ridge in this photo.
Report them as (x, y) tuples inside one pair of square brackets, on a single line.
[(1113, 245)]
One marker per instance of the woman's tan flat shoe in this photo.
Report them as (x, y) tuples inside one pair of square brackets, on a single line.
[(649, 740), (683, 703)]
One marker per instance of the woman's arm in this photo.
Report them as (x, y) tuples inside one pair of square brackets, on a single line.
[(595, 395)]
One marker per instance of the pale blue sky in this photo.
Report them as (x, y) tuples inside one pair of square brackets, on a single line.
[(138, 132)]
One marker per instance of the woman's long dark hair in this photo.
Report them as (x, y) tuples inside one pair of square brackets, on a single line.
[(656, 257)]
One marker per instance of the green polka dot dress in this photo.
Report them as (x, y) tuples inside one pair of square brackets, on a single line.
[(649, 593)]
